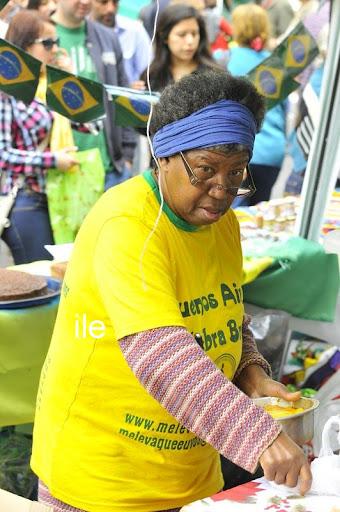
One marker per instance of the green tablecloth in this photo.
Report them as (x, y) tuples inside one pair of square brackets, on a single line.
[(25, 337), (302, 280)]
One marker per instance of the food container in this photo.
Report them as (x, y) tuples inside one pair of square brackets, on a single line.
[(299, 426)]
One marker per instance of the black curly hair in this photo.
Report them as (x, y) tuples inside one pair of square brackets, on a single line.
[(200, 89)]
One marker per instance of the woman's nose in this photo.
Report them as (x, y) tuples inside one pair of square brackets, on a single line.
[(190, 39), (217, 191)]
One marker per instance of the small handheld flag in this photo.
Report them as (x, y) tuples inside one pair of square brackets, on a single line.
[(273, 77), (132, 107), (3, 3), (77, 98), (19, 72), (272, 82), (298, 49)]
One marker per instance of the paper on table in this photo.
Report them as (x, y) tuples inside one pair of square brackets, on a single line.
[(61, 252), (38, 268), (259, 496), (273, 504), (11, 503)]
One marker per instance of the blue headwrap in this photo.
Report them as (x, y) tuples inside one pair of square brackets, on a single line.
[(223, 122)]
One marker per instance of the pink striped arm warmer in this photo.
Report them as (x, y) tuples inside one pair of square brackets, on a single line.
[(176, 372)]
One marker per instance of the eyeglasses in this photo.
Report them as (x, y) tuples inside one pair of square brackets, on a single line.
[(48, 43), (241, 184)]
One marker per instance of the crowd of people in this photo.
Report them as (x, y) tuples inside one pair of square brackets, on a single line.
[(90, 38)]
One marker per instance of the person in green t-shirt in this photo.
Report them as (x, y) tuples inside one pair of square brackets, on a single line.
[(96, 54)]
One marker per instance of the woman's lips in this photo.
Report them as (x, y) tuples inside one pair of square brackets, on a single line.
[(212, 214)]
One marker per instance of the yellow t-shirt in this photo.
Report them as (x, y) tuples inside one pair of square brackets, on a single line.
[(101, 442)]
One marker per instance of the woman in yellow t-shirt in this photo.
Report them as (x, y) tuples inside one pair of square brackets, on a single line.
[(152, 365)]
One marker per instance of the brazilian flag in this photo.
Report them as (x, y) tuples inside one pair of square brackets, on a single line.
[(19, 72), (132, 107), (79, 99), (272, 82), (274, 77), (298, 49), (3, 3)]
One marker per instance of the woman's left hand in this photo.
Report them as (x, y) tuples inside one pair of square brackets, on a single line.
[(270, 387), (139, 85), (255, 382)]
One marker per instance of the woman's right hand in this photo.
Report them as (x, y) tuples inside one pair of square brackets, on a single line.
[(285, 463), (63, 61), (64, 159), (139, 85)]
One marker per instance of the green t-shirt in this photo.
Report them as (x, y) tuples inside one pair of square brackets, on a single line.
[(73, 40)]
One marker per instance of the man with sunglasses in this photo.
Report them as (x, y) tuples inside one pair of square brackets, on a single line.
[(96, 54), (136, 420)]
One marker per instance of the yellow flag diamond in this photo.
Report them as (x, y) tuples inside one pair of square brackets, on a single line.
[(268, 81), (140, 109), (13, 69), (298, 48), (72, 95)]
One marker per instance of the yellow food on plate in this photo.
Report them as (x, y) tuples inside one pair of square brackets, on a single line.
[(277, 412)]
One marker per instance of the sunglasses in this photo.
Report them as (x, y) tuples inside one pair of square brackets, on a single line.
[(48, 43)]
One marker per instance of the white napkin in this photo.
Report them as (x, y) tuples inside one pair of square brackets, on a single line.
[(60, 252)]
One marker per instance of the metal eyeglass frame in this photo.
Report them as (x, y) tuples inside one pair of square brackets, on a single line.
[(231, 190)]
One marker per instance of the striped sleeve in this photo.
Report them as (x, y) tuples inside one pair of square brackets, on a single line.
[(176, 372), (250, 353)]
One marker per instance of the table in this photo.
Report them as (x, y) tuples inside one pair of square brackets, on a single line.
[(26, 333), (258, 496)]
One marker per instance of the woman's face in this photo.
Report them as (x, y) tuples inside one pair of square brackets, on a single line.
[(44, 50), (196, 204), (183, 39)]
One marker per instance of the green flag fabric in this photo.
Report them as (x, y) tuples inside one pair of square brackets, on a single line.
[(272, 82), (274, 77), (302, 280), (3, 3), (19, 72), (77, 98), (132, 107)]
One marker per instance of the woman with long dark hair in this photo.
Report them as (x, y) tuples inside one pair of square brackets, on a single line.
[(181, 46)]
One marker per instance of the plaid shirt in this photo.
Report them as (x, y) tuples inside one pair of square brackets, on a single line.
[(22, 129)]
